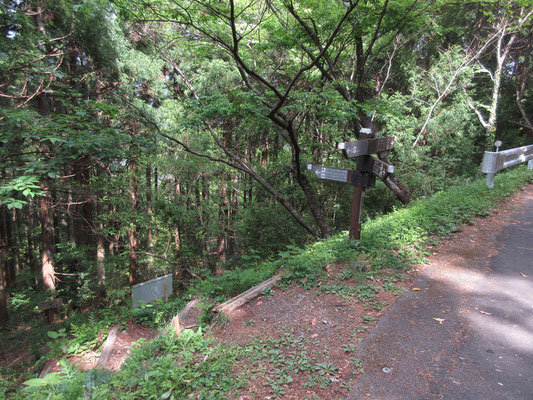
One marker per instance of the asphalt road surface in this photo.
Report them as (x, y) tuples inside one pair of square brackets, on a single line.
[(468, 332)]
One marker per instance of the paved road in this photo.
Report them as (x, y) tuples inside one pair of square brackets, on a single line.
[(468, 334)]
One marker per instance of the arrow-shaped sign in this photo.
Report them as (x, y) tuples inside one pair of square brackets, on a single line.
[(356, 178), (365, 147), (331, 174)]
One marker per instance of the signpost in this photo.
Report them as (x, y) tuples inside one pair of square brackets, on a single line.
[(365, 173), (365, 147), (353, 177)]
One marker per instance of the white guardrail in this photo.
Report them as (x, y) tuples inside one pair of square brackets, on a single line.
[(495, 161)]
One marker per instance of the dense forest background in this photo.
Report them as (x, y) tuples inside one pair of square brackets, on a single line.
[(139, 138)]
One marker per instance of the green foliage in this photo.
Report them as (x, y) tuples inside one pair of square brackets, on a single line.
[(156, 314), (23, 185), (284, 360), (175, 367), (235, 281), (167, 367)]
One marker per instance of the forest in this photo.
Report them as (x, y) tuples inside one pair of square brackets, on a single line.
[(140, 138)]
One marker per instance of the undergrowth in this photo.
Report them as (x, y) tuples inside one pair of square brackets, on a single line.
[(168, 367)]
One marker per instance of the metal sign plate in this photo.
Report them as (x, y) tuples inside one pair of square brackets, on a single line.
[(356, 178), (365, 147), (330, 174), (152, 290)]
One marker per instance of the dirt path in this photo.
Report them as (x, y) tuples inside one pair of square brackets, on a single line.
[(468, 333)]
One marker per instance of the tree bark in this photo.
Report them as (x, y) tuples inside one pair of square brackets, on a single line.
[(4, 297), (47, 224), (47, 239), (100, 255), (149, 212), (132, 232)]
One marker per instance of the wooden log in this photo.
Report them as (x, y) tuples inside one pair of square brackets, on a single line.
[(108, 347), (183, 313), (245, 297), (177, 322), (49, 367)]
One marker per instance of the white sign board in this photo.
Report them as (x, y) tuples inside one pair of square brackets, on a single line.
[(152, 290)]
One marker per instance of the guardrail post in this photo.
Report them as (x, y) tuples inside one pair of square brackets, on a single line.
[(494, 162), (490, 180)]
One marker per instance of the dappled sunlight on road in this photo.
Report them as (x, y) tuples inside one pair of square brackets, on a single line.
[(499, 308), (500, 332)]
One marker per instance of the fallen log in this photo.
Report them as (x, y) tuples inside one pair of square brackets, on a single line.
[(108, 347), (183, 320), (245, 297)]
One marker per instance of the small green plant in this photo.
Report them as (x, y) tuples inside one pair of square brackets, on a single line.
[(60, 334), (349, 347), (368, 319), (325, 368), (358, 364), (268, 293), (358, 330)]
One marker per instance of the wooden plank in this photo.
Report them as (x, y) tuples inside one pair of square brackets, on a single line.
[(108, 347), (380, 168), (177, 323), (365, 147), (245, 297)]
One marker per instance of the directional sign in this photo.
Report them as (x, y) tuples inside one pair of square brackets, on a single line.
[(380, 168), (356, 178), (365, 147), (331, 174), (377, 167)]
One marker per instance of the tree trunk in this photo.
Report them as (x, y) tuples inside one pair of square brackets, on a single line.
[(29, 258), (4, 297), (47, 239), (9, 246), (132, 232), (314, 205), (177, 231), (100, 255), (149, 212), (47, 225)]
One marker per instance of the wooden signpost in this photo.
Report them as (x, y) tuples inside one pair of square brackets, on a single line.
[(364, 147), (364, 175)]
